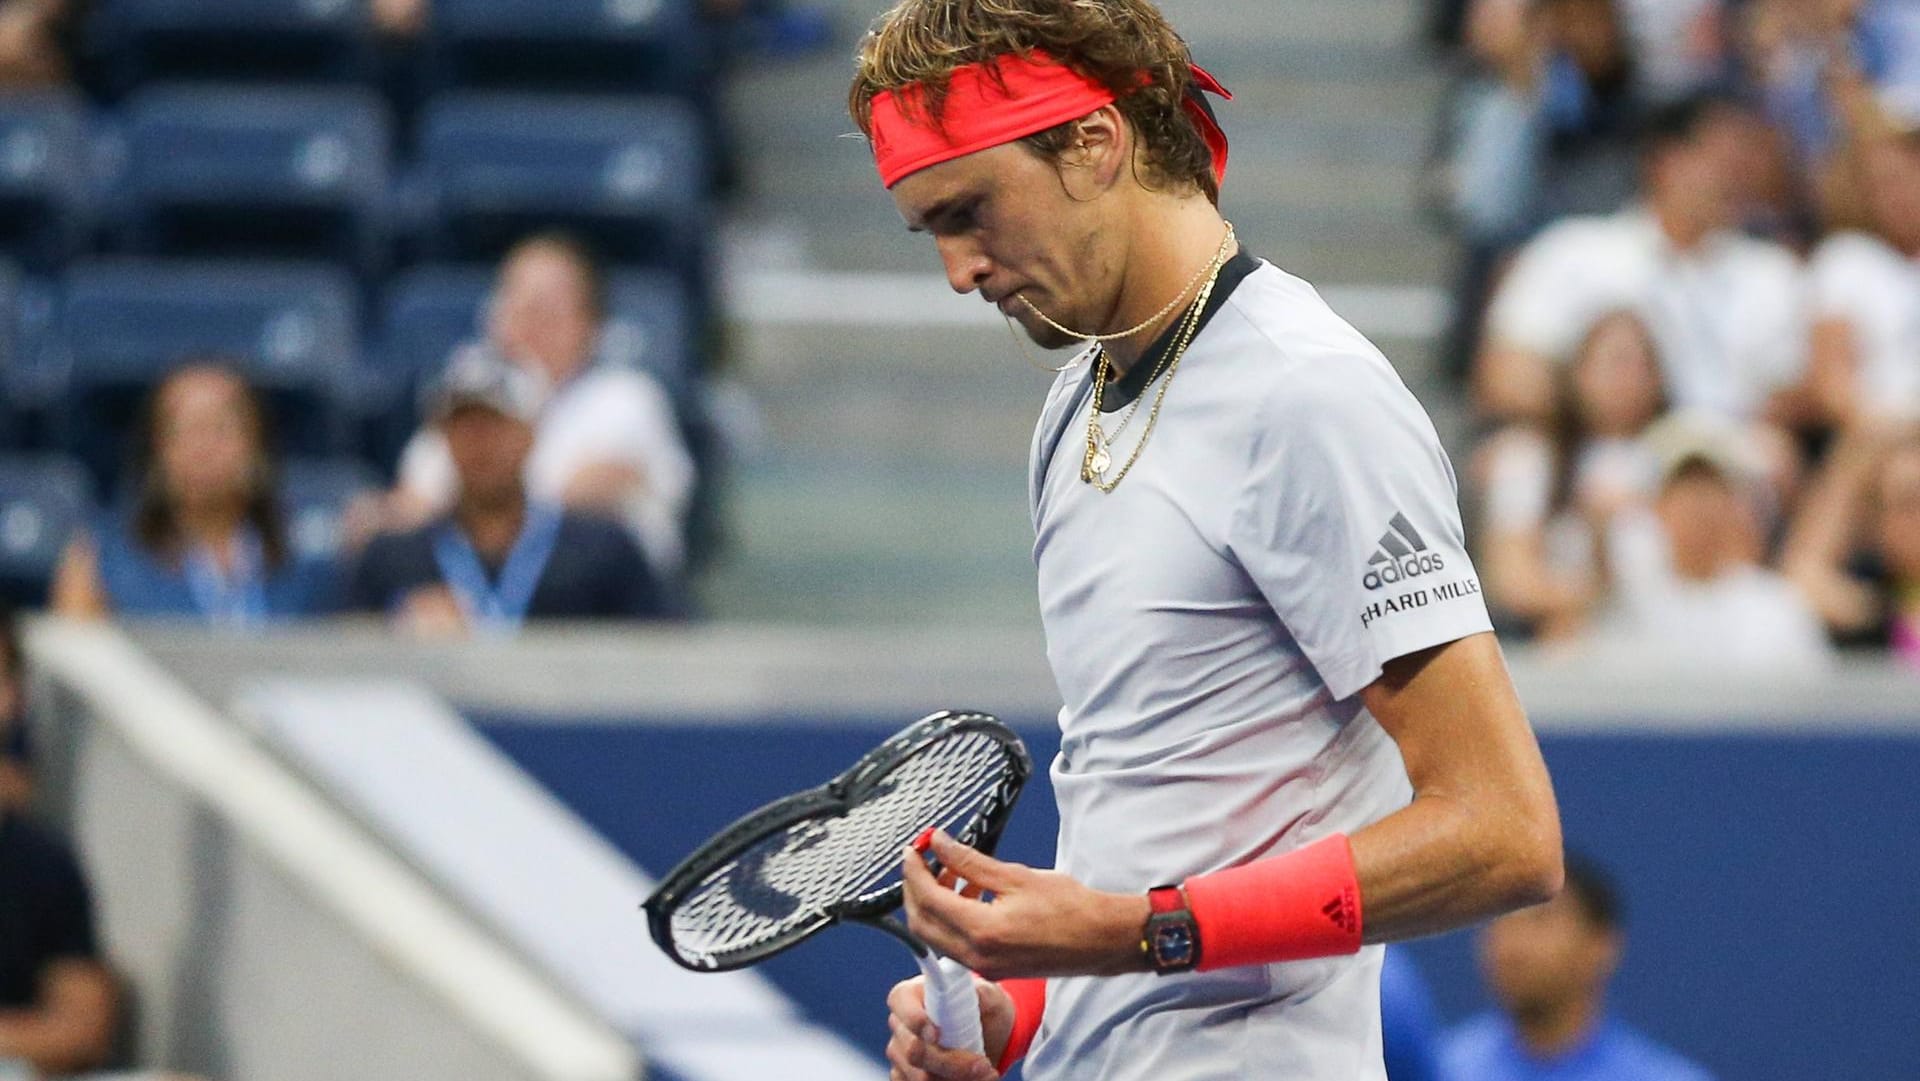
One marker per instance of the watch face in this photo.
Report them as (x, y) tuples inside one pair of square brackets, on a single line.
[(1173, 944)]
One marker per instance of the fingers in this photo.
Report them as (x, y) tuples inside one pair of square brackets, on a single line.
[(913, 1051), (973, 865)]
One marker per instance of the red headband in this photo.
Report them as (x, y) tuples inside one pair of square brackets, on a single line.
[(1032, 93)]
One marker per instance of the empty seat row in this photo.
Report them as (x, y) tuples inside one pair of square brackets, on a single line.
[(625, 45), (310, 172), (44, 498)]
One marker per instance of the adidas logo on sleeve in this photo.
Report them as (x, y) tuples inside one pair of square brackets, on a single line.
[(1402, 554)]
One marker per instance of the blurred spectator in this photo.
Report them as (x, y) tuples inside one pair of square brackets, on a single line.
[(1548, 968), (58, 1001), (1409, 1021), (1688, 581), (1726, 310), (1540, 126), (1855, 547), (399, 19), (1866, 290), (1549, 495), (35, 43), (608, 440), (204, 535), (16, 782), (499, 558), (1680, 47)]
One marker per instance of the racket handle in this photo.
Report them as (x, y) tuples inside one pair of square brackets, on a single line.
[(953, 1004)]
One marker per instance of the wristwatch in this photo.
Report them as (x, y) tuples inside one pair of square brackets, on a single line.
[(1171, 939)]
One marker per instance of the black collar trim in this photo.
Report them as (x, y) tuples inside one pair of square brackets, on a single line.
[(1118, 395)]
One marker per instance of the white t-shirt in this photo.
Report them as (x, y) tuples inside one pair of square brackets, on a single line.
[(1291, 525), (1729, 316), (604, 414), (1748, 619), (1867, 283)]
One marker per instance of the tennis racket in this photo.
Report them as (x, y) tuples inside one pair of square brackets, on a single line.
[(831, 854)]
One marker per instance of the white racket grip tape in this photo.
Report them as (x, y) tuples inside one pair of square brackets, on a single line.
[(953, 1004)]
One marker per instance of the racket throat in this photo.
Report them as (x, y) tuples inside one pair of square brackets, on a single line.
[(899, 931)]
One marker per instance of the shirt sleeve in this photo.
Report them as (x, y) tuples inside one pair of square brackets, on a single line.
[(1349, 522)]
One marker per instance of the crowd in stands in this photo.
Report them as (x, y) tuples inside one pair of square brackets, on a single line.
[(238, 256), (1688, 320)]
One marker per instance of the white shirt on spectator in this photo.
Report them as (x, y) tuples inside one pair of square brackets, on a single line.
[(1729, 316), (1868, 284), (1749, 618), (604, 414)]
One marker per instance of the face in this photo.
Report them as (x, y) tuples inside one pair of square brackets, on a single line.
[(1893, 189), (1589, 31), (1616, 378), (1702, 178), (206, 439), (1898, 529), (1008, 225), (541, 313), (1705, 521), (1543, 958), (489, 451)]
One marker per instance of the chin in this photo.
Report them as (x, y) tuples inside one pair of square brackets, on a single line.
[(1041, 334)]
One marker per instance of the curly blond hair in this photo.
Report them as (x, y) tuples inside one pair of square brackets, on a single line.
[(1127, 45)]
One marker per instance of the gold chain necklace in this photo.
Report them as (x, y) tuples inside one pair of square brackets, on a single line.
[(1099, 457), (1213, 267)]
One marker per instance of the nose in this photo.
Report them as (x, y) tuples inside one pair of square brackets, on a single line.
[(967, 264)]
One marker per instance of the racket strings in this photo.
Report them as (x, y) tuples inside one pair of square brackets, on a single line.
[(792, 880)]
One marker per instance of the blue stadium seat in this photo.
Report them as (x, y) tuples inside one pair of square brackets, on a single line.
[(142, 40), (43, 498), (256, 171), (45, 203), (629, 172), (315, 495), (293, 327), (657, 46)]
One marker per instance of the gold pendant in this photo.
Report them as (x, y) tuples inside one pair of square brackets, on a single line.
[(1100, 460)]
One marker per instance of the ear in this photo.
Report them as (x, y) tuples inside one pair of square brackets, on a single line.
[(1101, 152)]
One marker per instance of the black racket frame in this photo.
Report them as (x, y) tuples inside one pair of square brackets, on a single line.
[(832, 800)]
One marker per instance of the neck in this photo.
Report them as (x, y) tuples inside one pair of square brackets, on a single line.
[(211, 526), (1553, 1031), (492, 523), (1681, 230), (1173, 239)]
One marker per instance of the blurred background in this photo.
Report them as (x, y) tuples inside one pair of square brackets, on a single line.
[(456, 454)]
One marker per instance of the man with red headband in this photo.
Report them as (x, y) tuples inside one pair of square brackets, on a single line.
[(1287, 733)]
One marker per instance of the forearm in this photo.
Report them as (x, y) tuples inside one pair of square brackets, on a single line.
[(53, 1043), (1482, 835), (1442, 863)]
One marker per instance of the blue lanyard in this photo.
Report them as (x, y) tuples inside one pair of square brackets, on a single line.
[(234, 599), (498, 608)]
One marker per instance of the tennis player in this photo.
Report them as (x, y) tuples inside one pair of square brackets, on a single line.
[(1288, 734)]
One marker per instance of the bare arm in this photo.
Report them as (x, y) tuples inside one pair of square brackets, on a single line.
[(71, 1027), (1513, 384), (77, 591), (1482, 834), (1825, 527)]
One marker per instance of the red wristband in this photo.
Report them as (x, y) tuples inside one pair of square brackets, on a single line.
[(1303, 904), (1029, 1002)]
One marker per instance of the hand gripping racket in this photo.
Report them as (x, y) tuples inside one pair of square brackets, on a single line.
[(816, 858)]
